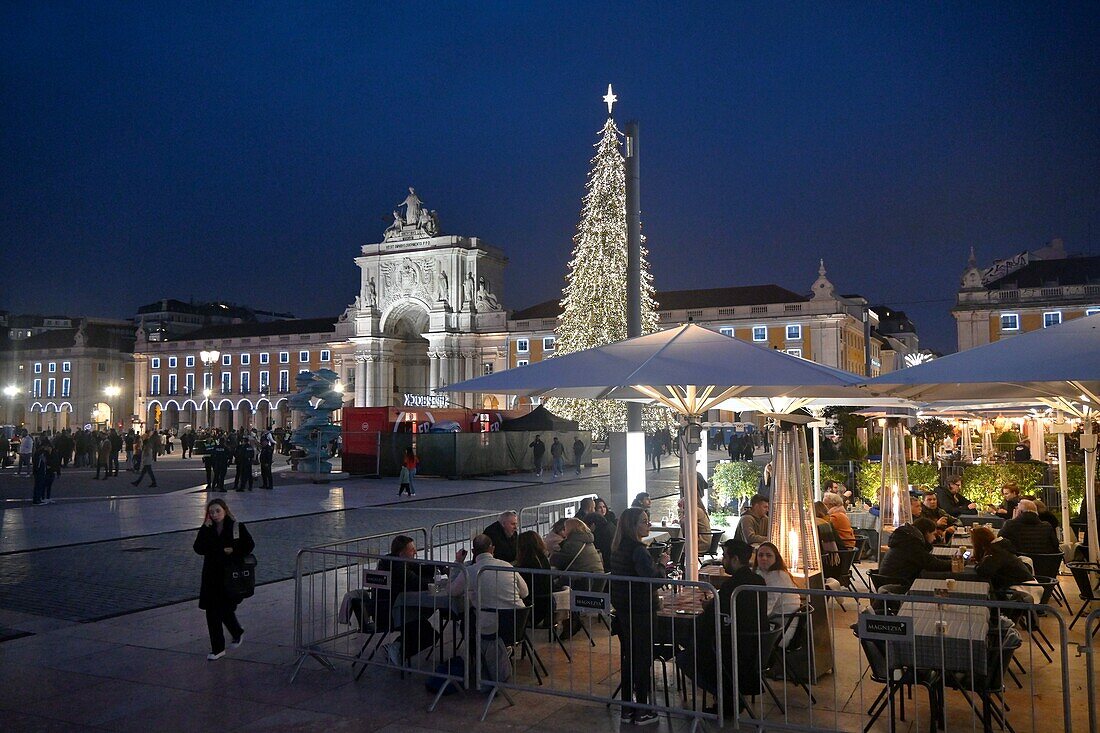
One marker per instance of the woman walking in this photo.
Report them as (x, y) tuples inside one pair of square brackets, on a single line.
[(408, 469), (148, 455), (217, 543), (635, 606)]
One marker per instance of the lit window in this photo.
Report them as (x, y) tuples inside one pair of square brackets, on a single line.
[(1052, 318), (244, 382), (523, 346), (726, 331), (154, 363), (154, 384), (1010, 321), (759, 333), (548, 343), (245, 359), (265, 381), (227, 382), (794, 332), (66, 366), (795, 352), (38, 368), (1092, 311), (172, 384), (189, 383), (326, 355), (51, 387), (52, 367), (284, 381), (284, 357), (208, 381), (487, 368), (265, 358), (303, 357), (189, 361), (37, 390), (227, 359), (66, 385), (172, 362), (522, 362)]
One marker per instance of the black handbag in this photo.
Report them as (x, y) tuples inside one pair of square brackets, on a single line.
[(239, 578)]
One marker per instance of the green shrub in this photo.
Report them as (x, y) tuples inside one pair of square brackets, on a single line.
[(1006, 441), (982, 484), (1075, 478), (832, 473), (925, 475), (869, 477), (734, 481)]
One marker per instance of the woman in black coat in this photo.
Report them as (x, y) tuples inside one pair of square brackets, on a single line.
[(216, 544)]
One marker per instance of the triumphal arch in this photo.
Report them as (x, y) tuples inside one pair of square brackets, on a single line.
[(429, 311)]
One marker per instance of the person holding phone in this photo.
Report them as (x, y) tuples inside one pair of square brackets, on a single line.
[(216, 543)]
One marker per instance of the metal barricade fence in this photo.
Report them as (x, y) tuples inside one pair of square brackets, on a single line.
[(372, 609), (541, 517), (1092, 674), (446, 538), (575, 642), (377, 544), (812, 667)]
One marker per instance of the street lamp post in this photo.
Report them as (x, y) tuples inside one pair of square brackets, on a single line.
[(11, 392), (209, 359), (112, 391)]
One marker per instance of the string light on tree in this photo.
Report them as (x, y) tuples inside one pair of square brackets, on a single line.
[(594, 298)]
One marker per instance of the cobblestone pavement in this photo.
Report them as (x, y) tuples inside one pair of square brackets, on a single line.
[(103, 579), (172, 472)]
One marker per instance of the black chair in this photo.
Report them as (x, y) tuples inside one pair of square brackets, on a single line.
[(842, 572), (715, 543), (753, 652), (656, 549), (1085, 574), (1049, 564), (875, 651), (989, 687), (861, 547), (676, 552), (512, 632)]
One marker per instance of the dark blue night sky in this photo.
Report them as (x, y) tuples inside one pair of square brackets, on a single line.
[(244, 151)]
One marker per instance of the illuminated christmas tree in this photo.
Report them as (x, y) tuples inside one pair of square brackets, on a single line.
[(594, 298)]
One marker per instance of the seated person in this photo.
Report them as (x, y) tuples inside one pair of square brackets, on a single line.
[(532, 555), (1045, 515), (602, 530), (642, 501), (604, 511), (1010, 492), (504, 533), (702, 525), (952, 501), (416, 633), (830, 559), (554, 537), (771, 567), (1028, 534), (835, 487), (577, 552), (909, 553), (750, 615), (753, 525), (945, 523), (838, 517), (491, 591), (996, 562)]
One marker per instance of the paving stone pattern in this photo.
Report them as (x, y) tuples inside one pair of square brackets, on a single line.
[(103, 579)]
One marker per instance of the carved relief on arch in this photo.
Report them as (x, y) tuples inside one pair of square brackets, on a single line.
[(406, 278)]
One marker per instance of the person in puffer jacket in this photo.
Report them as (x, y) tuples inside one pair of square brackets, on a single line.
[(910, 553), (577, 552)]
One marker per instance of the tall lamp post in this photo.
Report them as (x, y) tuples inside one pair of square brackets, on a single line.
[(112, 392), (209, 359), (11, 391)]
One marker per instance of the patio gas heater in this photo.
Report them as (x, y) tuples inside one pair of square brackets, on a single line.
[(966, 451), (793, 530), (893, 495)]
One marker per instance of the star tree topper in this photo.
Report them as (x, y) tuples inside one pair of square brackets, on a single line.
[(610, 99)]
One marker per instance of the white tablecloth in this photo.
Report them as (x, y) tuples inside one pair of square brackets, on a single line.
[(862, 520)]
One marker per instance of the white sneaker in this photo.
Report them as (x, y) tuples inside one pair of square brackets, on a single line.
[(212, 656), (236, 643)]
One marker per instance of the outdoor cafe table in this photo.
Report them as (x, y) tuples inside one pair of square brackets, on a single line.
[(672, 529), (944, 551), (427, 602), (862, 520), (655, 535), (946, 638), (978, 589)]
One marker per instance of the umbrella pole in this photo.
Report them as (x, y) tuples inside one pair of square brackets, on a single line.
[(1069, 539), (690, 528), (1088, 442), (817, 463)]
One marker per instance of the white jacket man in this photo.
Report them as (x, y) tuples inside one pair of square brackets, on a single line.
[(492, 590)]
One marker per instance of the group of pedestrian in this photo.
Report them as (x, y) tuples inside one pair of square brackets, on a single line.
[(557, 455), (243, 451)]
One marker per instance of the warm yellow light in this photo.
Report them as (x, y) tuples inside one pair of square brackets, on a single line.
[(113, 391), (896, 504), (792, 540)]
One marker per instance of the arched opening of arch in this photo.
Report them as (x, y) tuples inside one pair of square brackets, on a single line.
[(407, 322)]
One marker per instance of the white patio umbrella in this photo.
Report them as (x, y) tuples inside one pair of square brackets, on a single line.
[(688, 369), (1058, 367)]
